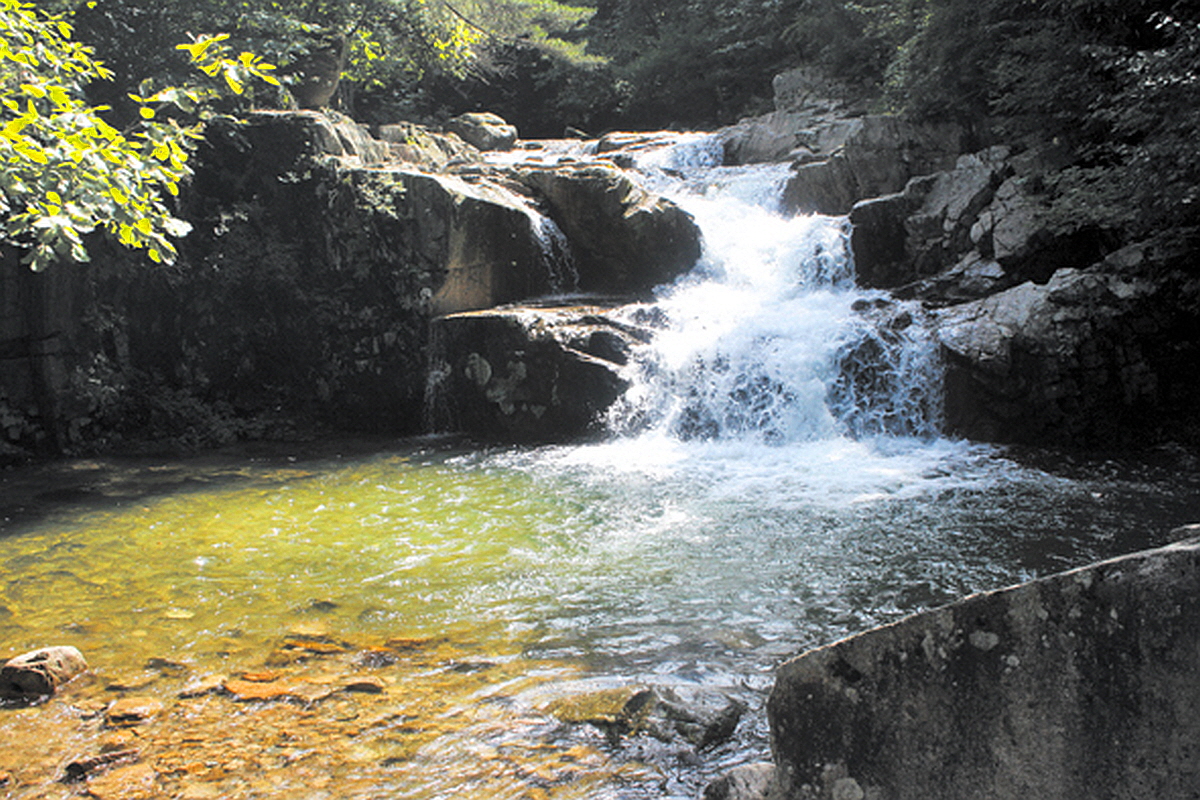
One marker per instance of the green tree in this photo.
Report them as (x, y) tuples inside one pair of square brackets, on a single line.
[(67, 171)]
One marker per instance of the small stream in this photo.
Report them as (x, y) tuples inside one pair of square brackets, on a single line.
[(410, 616)]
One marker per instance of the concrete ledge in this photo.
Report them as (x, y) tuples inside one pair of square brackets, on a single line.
[(1081, 685)]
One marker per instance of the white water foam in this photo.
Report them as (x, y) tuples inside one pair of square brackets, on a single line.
[(768, 339)]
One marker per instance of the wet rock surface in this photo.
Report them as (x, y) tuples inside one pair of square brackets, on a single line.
[(1080, 685), (39, 673), (529, 374), (1100, 356), (624, 239), (423, 715)]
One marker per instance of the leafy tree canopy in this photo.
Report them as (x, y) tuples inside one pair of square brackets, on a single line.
[(68, 171)]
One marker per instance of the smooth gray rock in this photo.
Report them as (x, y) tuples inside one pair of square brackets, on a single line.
[(1080, 686)]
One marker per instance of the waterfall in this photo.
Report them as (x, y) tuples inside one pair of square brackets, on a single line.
[(768, 338)]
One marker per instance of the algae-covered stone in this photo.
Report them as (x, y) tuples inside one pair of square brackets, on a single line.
[(622, 710)]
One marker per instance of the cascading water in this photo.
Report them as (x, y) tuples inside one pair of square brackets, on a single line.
[(778, 483), (768, 338)]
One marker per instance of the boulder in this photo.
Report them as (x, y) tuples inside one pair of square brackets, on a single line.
[(624, 239), (770, 138), (1076, 686), (821, 187), (1098, 357), (318, 134), (747, 782), (811, 90), (887, 151), (410, 143), (40, 672), (867, 157), (981, 211), (1012, 224), (527, 374), (482, 242), (878, 241), (484, 130)]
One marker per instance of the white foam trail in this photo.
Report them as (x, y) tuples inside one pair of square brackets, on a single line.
[(768, 338)]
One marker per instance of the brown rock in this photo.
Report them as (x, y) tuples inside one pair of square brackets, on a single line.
[(367, 684), (282, 689), (81, 768), (259, 690), (206, 685), (40, 672), (133, 710), (116, 740), (135, 782)]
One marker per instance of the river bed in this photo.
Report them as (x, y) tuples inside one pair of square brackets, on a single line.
[(412, 614)]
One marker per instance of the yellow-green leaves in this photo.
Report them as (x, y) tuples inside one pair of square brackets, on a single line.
[(65, 171), (211, 56)]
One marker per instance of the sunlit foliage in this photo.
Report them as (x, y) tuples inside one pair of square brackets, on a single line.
[(68, 171)]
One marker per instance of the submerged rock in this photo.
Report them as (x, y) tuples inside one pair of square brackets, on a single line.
[(40, 672), (81, 768), (133, 711), (133, 782), (747, 782), (1076, 686)]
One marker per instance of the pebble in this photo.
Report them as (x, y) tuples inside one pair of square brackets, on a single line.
[(133, 710), (367, 684), (206, 685), (135, 782)]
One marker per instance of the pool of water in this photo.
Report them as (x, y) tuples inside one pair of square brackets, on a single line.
[(464, 592)]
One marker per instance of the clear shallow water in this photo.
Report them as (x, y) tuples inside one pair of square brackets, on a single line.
[(511, 576)]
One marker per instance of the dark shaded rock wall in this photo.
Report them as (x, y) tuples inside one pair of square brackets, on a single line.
[(1104, 357), (528, 374)]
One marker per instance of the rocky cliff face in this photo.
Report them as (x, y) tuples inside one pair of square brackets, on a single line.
[(320, 256), (1050, 335)]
